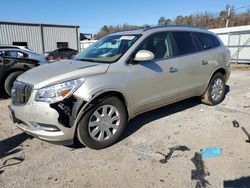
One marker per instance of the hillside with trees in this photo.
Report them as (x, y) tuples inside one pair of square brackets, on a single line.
[(206, 19), (211, 20), (105, 30)]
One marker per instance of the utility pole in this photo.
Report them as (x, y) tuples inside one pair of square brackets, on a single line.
[(228, 16)]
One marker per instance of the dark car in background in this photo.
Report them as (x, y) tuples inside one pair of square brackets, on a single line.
[(61, 53), (13, 62)]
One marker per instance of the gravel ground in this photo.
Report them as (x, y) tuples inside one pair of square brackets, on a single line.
[(133, 162)]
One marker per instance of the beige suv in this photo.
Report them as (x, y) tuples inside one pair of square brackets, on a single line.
[(126, 73)]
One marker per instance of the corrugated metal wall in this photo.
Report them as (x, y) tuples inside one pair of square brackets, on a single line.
[(51, 34), (237, 40), (239, 45), (21, 33)]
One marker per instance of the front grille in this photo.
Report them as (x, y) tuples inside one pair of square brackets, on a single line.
[(21, 93)]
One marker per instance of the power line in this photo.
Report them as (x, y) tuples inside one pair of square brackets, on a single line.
[(242, 7)]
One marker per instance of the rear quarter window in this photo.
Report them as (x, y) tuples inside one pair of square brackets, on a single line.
[(207, 41)]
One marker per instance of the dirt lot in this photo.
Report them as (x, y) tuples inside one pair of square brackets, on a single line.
[(133, 162)]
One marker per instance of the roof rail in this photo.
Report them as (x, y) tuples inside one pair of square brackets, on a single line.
[(126, 30), (162, 26)]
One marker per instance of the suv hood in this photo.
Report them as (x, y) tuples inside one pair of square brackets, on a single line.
[(61, 71)]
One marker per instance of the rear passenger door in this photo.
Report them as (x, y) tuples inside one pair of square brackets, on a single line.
[(210, 54), (191, 69)]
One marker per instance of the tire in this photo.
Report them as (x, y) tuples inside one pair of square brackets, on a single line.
[(99, 134), (215, 92), (9, 81)]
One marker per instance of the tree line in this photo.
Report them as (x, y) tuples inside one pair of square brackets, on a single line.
[(206, 19), (105, 30)]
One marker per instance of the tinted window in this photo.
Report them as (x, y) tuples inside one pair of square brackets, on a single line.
[(159, 44), (62, 44), (207, 41), (11, 54), (185, 43), (25, 44), (15, 54)]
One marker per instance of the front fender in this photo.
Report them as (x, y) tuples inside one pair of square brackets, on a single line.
[(84, 103)]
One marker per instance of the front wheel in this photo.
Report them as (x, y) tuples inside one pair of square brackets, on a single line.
[(103, 124), (215, 92)]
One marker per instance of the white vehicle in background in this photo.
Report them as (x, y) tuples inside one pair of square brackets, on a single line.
[(86, 43)]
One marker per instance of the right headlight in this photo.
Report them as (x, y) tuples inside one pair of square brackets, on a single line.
[(58, 92)]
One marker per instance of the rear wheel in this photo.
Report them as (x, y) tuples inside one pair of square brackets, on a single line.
[(215, 92), (103, 124), (9, 81)]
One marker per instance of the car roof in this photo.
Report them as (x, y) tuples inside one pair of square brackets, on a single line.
[(20, 50), (162, 28), (15, 47)]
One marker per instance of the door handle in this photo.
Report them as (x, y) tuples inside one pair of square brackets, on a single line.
[(173, 69), (204, 62)]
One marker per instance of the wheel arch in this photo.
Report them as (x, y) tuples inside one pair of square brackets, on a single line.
[(7, 73), (85, 105), (114, 93), (219, 70)]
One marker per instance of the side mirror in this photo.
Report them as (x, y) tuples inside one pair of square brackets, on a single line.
[(144, 55)]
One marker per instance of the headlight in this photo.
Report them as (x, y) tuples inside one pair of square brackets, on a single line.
[(58, 92)]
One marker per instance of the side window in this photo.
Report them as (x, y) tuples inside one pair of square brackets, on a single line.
[(185, 43), (22, 55), (159, 44), (11, 54), (207, 41)]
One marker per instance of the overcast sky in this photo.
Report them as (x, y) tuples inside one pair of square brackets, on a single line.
[(93, 14)]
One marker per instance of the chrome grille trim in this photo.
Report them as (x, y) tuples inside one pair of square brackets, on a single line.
[(21, 93)]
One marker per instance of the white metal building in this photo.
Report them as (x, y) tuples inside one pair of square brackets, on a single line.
[(39, 37), (237, 40)]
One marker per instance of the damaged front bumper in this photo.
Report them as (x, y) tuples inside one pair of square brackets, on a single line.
[(44, 121)]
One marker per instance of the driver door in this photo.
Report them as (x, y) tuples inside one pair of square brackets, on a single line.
[(155, 82)]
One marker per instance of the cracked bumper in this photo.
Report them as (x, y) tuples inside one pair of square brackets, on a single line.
[(41, 121)]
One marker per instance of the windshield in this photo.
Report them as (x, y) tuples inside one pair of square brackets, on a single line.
[(108, 49)]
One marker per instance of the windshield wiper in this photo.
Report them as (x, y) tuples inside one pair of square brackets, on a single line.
[(90, 60)]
